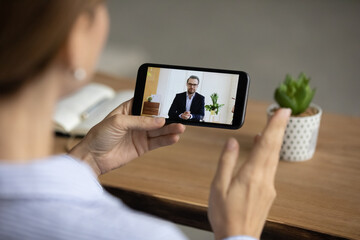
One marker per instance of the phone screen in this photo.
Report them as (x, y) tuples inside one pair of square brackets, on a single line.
[(190, 95)]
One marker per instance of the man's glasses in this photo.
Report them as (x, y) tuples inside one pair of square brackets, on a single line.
[(192, 85)]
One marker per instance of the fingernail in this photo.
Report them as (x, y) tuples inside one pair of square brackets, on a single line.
[(231, 145), (257, 137), (286, 112)]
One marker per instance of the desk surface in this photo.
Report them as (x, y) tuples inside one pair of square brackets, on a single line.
[(317, 199)]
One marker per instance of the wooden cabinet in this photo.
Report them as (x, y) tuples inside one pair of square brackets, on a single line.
[(151, 108)]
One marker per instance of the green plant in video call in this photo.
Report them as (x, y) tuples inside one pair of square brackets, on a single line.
[(214, 106), (295, 93)]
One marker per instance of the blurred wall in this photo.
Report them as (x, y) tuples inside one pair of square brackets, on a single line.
[(267, 39)]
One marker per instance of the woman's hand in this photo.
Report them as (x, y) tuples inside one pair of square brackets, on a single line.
[(120, 138), (240, 201)]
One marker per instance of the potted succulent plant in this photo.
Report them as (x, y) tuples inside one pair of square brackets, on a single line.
[(214, 107), (302, 130)]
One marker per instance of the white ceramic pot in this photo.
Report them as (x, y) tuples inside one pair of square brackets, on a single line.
[(300, 136)]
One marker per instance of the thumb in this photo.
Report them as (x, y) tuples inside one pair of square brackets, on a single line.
[(128, 122), (124, 108), (226, 165)]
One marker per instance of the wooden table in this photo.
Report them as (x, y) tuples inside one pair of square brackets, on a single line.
[(317, 199)]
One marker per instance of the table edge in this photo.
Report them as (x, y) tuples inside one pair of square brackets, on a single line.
[(196, 216)]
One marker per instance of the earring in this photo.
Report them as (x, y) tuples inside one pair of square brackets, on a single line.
[(79, 74)]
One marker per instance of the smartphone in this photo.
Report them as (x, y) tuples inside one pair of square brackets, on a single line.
[(192, 96)]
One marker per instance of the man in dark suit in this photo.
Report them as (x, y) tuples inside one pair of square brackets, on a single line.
[(188, 105)]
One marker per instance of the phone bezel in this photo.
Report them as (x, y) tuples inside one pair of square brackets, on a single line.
[(240, 102)]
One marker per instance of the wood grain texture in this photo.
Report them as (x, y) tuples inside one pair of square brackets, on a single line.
[(317, 199), (151, 108), (179, 213)]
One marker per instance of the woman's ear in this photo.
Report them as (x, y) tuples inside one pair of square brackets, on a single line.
[(78, 45), (85, 42)]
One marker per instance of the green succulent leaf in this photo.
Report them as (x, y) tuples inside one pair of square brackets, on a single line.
[(295, 94), (284, 100)]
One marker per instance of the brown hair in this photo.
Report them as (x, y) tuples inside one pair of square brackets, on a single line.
[(32, 34), (193, 77)]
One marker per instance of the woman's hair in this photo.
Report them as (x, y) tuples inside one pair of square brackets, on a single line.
[(32, 33)]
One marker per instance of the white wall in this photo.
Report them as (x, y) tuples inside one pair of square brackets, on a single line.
[(221, 84)]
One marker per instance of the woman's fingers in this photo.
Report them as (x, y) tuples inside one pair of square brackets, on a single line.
[(274, 130), (239, 205), (226, 165), (267, 148), (257, 138), (175, 128), (124, 108), (163, 141), (141, 123), (165, 136)]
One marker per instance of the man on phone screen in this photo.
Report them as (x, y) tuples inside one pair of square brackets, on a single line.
[(188, 105)]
